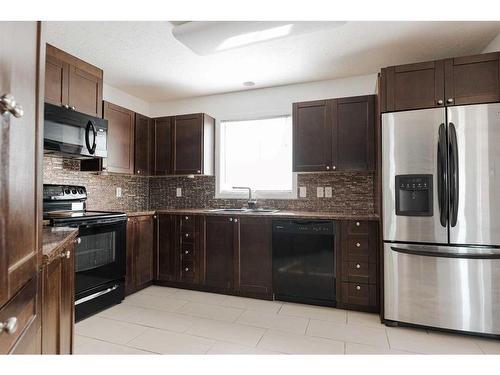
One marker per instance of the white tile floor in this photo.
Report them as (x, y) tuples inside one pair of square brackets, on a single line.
[(160, 320)]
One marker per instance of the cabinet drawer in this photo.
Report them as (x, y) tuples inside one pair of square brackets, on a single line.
[(359, 248), (359, 227), (359, 272), (187, 250), (188, 271), (23, 308), (359, 294)]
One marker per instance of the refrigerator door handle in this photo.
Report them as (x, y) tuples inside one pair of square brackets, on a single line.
[(448, 251), (442, 178), (453, 157)]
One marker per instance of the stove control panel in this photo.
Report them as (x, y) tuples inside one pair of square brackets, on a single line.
[(64, 192)]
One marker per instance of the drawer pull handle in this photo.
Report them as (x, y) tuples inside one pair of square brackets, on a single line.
[(66, 254), (9, 326), (358, 287), (358, 244), (186, 252), (187, 234), (358, 223), (230, 219), (186, 269), (78, 241), (358, 265), (186, 218)]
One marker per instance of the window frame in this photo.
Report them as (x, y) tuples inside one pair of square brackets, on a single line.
[(243, 194)]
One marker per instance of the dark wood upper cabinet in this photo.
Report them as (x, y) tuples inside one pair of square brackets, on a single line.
[(140, 249), (121, 123), (353, 133), (254, 262), (334, 135), (162, 146), (72, 82), (472, 79), (312, 136), (413, 86), (193, 144), (167, 264), (143, 145), (220, 241)]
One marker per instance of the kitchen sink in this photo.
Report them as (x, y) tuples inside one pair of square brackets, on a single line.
[(244, 210)]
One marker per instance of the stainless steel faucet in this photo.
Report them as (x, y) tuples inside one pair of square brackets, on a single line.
[(252, 203)]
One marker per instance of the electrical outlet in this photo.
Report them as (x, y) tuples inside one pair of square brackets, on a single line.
[(178, 192), (320, 192), (328, 192), (118, 192), (302, 192)]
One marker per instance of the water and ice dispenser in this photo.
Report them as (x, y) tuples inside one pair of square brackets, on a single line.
[(414, 195)]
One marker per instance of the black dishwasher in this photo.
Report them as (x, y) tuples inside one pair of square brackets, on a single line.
[(304, 261)]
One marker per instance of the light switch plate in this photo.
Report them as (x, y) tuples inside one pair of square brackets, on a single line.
[(118, 192), (178, 192), (328, 192), (320, 192), (302, 192)]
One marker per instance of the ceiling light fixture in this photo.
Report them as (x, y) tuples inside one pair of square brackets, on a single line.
[(205, 37)]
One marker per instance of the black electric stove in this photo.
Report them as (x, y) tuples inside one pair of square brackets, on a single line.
[(100, 250)]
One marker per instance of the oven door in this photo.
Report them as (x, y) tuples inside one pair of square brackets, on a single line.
[(100, 256)]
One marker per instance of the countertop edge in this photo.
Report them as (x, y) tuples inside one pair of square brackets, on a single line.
[(52, 247)]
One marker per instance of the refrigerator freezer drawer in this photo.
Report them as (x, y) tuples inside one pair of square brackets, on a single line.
[(458, 290)]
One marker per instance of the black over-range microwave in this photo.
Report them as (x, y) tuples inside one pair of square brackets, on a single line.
[(73, 133)]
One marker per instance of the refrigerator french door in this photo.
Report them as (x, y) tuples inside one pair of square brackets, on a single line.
[(441, 217)]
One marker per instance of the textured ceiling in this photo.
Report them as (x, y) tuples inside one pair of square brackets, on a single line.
[(145, 60)]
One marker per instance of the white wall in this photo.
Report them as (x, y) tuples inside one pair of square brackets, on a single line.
[(494, 45), (121, 98), (267, 101)]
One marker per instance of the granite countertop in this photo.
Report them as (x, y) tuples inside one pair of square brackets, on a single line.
[(54, 241), (139, 213), (278, 214)]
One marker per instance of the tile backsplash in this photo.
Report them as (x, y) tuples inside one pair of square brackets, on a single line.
[(352, 193)]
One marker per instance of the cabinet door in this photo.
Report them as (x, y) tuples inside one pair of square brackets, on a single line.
[(414, 86), (143, 140), (85, 92), (130, 263), (67, 300), (354, 133), (51, 307), (188, 144), (311, 136), (18, 140), (56, 80), (472, 79), (168, 257), (220, 240), (120, 138), (163, 146), (254, 263), (144, 243)]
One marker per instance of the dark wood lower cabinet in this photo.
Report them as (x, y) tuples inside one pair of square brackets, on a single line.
[(140, 248), (167, 263), (58, 304)]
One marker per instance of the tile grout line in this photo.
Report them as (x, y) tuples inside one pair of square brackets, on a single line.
[(261, 337), (114, 343)]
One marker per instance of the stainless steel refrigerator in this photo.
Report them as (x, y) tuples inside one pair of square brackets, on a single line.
[(441, 217)]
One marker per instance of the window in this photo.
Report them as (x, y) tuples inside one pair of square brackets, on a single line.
[(257, 154)]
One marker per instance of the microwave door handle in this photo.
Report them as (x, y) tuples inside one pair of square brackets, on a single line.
[(442, 176), (90, 126), (453, 157)]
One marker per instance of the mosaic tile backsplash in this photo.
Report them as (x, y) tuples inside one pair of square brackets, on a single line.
[(352, 193)]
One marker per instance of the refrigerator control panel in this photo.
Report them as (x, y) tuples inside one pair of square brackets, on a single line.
[(414, 195)]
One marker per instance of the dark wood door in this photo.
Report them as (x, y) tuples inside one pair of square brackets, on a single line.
[(168, 257), (220, 241), (413, 86), (312, 136), (188, 144), (144, 242), (472, 79), (67, 300), (130, 263), (51, 307), (254, 262), (85, 92), (143, 141), (18, 155), (56, 80), (163, 146), (353, 133), (120, 138)]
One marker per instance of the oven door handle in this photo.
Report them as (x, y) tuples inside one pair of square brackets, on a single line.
[(96, 295)]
